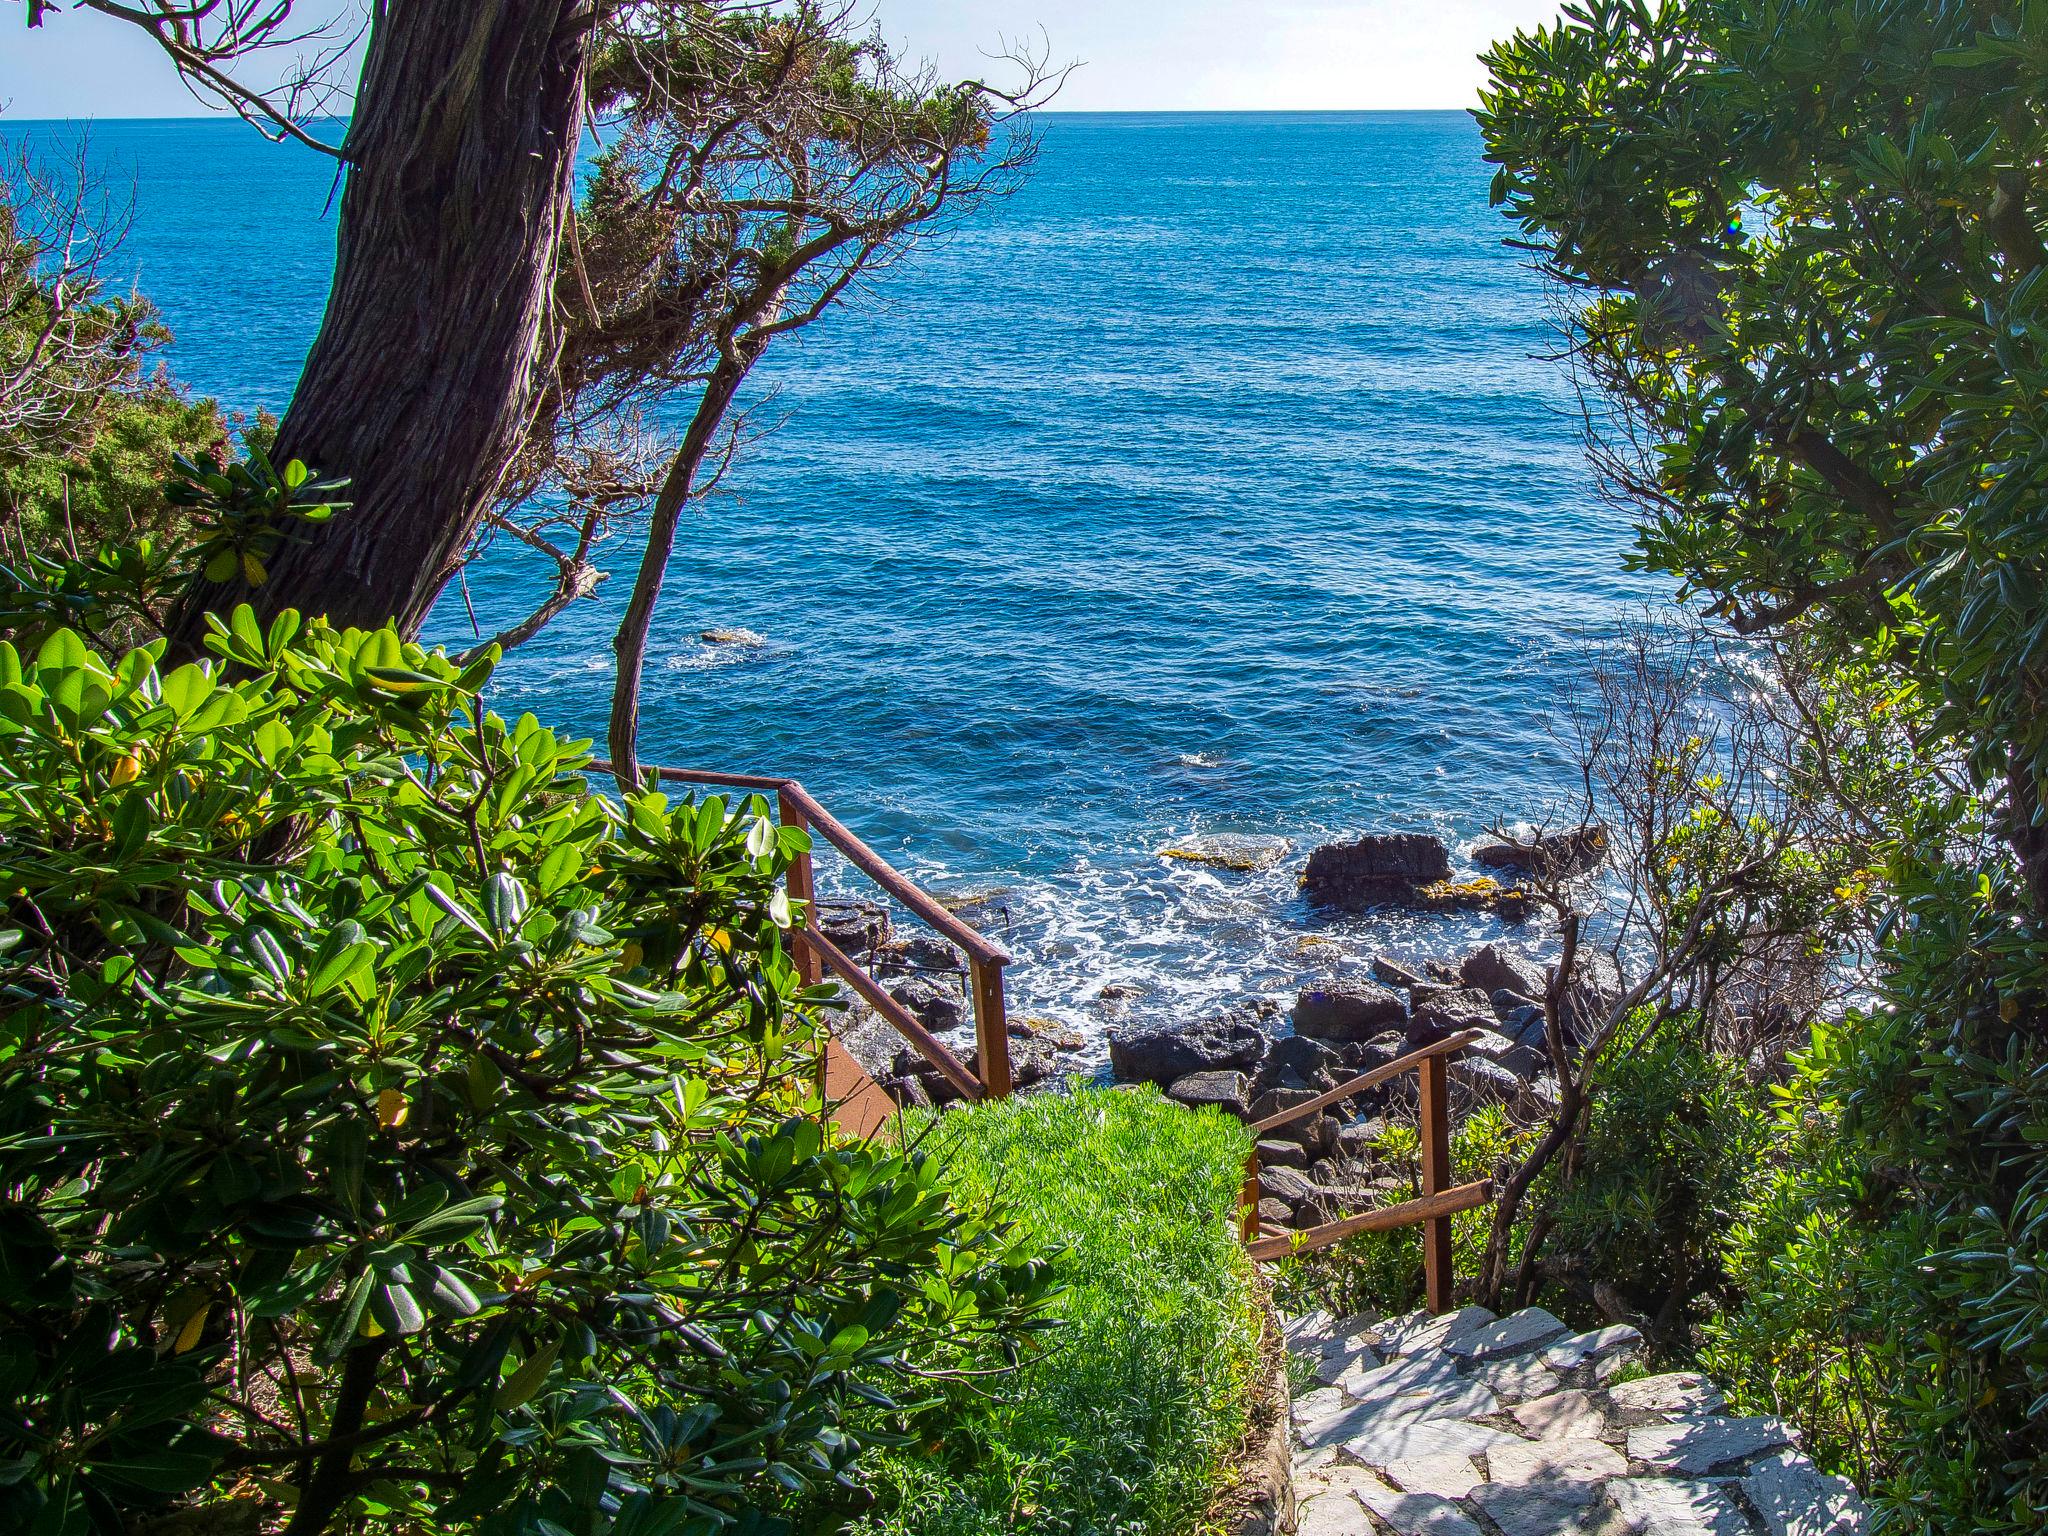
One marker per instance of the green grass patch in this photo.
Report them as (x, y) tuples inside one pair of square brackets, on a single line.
[(1124, 1421)]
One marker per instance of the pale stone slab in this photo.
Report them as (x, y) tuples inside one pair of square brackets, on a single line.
[(1516, 1380), (1576, 1458), (1670, 1506), (1336, 1363), (1388, 1440), (1700, 1445), (1555, 1508), (1607, 1367), (1309, 1463), (1419, 1333), (1448, 1477), (1510, 1335), (1795, 1498), (1569, 1354), (1450, 1400), (1561, 1413), (1679, 1392), (1310, 1325), (1322, 1403), (1365, 1381), (1417, 1514), (1334, 1513)]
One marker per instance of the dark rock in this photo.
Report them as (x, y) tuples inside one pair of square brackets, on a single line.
[(1054, 1033), (1355, 1141), (1594, 991), (1442, 973), (1227, 1091), (1395, 974), (1525, 1025), (1032, 1062), (1553, 854), (1513, 906), (908, 1091), (922, 952), (1363, 1055), (1504, 1051), (1310, 1062), (1476, 1081), (1274, 1100), (1458, 1002), (1357, 1011), (1507, 1004), (937, 1008), (1372, 871), (1282, 1154), (1274, 1214), (858, 927), (1288, 1185), (1119, 992), (1496, 968), (1162, 1053)]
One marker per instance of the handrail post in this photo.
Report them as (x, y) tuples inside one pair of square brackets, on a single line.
[(1248, 1198), (1436, 1178), (802, 889), (991, 1026)]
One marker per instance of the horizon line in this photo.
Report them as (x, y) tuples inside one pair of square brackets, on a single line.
[(229, 117)]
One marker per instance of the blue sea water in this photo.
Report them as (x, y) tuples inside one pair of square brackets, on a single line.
[(1217, 483)]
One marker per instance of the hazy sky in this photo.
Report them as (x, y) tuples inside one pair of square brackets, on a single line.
[(1135, 54)]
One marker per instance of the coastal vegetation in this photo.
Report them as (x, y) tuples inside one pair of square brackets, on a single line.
[(1802, 254)]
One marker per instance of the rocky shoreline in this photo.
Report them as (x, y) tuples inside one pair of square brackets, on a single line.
[(1258, 1058)]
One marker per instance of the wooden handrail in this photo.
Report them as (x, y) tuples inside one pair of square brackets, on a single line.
[(815, 952), (1386, 1218), (928, 1045), (1365, 1080), (1439, 1201)]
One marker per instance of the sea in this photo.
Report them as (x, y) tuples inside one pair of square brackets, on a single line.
[(1219, 488)]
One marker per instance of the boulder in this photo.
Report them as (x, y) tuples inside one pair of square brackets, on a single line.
[(1355, 1141), (1395, 974), (1273, 1100), (937, 1008), (1576, 852), (1501, 1050), (1476, 1081), (1373, 871), (926, 952), (1164, 1053), (1274, 1213), (1282, 1154), (1595, 989), (1032, 1061), (858, 927), (1496, 968), (1356, 1011), (1296, 1060), (1227, 1091), (1457, 1002), (1288, 1185)]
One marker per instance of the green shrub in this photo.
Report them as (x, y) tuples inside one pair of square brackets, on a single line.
[(395, 1131), (1675, 1140), (1126, 1419)]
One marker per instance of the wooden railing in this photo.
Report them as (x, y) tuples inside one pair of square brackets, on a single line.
[(1440, 1199), (816, 954)]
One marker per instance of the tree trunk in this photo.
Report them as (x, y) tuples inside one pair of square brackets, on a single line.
[(417, 390)]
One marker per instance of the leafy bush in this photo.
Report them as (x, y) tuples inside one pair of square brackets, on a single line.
[(1382, 1271), (1675, 1139), (1128, 1417), (393, 1130)]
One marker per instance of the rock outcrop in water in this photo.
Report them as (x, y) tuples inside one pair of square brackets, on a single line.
[(1375, 870), (1576, 852)]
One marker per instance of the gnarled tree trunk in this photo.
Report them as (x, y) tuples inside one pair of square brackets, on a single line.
[(418, 388)]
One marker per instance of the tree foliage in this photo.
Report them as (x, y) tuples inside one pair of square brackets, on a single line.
[(1804, 247), (394, 1131)]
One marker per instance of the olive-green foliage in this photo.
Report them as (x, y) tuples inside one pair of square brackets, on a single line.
[(1675, 1139), (1126, 1419), (392, 1127), (1808, 241), (1382, 1271), (86, 458)]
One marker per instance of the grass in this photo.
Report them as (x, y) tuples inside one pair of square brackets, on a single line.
[(1125, 1422)]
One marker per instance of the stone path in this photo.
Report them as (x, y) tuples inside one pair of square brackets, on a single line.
[(1474, 1425)]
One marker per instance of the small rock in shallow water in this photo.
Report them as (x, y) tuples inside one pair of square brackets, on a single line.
[(722, 636)]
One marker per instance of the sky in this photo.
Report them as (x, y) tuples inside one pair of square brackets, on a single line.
[(1134, 55)]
